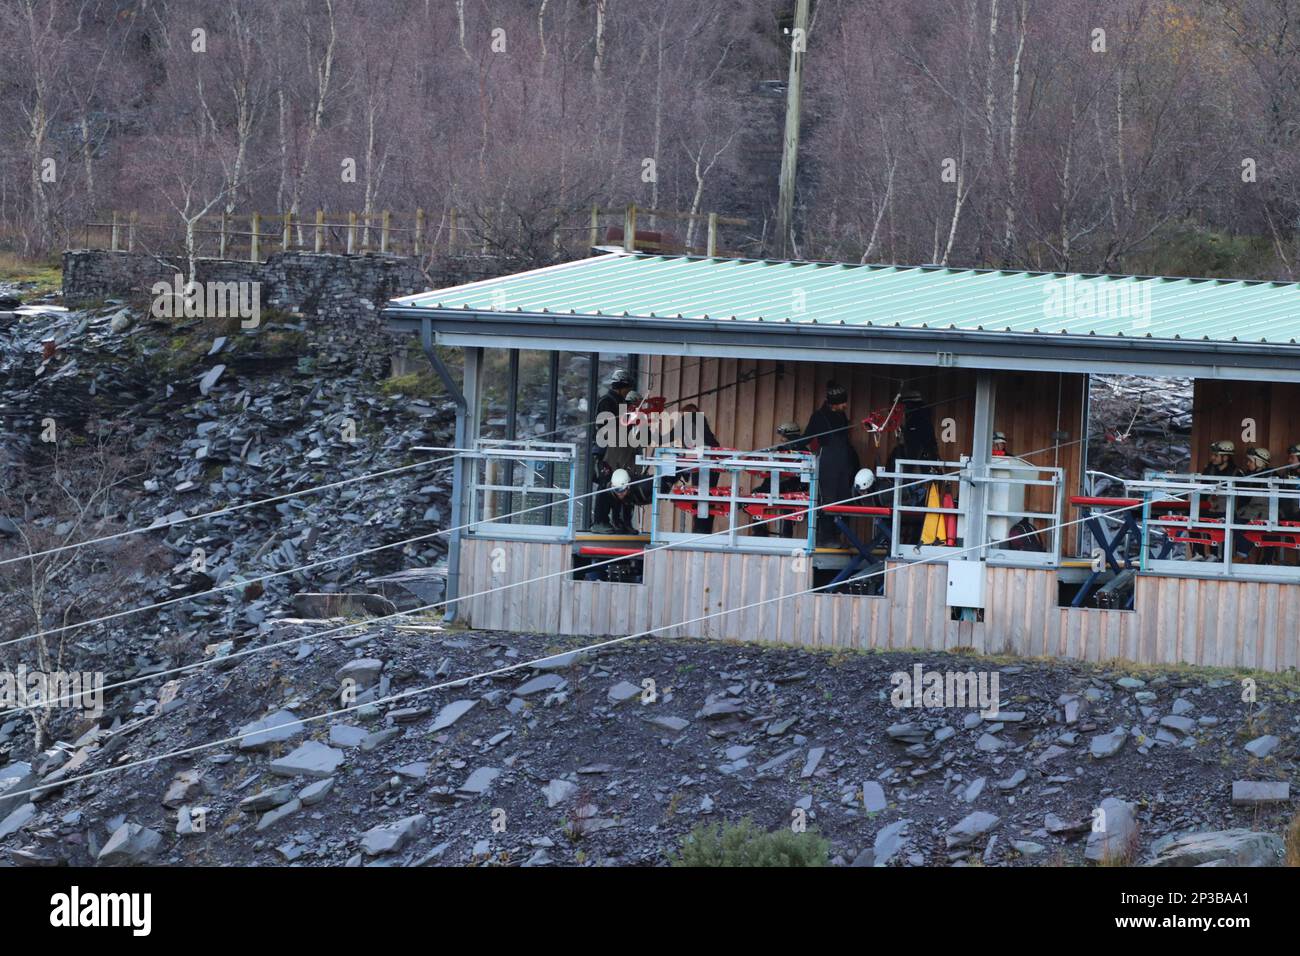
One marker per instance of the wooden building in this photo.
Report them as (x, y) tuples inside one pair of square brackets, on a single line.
[(1028, 560)]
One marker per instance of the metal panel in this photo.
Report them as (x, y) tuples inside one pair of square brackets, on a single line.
[(1133, 309)]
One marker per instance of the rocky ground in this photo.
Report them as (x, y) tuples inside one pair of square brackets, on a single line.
[(571, 762)]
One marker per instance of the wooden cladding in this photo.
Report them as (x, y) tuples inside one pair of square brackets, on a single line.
[(1226, 410), (1030, 407), (755, 597)]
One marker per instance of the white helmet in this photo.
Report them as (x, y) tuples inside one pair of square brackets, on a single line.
[(620, 480), (864, 479)]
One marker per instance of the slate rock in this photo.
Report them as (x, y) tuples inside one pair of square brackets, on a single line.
[(971, 828), (1220, 847), (280, 726), (1249, 793), (392, 837), (1261, 747), (479, 781), (623, 691), (1115, 832), (451, 713), (558, 791), (130, 845), (18, 819), (540, 684), (1107, 745), (873, 797), (267, 799), (1184, 725), (274, 816), (316, 792), (310, 759)]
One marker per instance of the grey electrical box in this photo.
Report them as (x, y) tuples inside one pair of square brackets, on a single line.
[(966, 584)]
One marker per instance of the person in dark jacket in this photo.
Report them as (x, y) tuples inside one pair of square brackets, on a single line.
[(837, 459), (620, 383)]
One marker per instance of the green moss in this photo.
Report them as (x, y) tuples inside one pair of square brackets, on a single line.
[(414, 384)]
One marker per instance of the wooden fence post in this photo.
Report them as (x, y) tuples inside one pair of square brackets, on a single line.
[(130, 231), (112, 243), (629, 228), (595, 225), (222, 229), (287, 237), (352, 232), (384, 224), (713, 234), (419, 231), (451, 232), (254, 238), (320, 230)]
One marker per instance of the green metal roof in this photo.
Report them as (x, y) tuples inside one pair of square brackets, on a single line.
[(927, 297)]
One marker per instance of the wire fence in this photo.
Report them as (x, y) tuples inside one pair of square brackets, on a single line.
[(252, 237)]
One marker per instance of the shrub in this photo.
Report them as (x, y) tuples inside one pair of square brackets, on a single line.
[(744, 844)]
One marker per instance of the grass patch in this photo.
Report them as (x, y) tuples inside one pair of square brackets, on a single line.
[(745, 844), (45, 274), (413, 384)]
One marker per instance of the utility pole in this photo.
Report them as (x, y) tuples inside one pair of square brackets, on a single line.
[(790, 143)]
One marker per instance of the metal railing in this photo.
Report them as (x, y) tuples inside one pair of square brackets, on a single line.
[(1016, 535), (690, 480), (1213, 526), (512, 476)]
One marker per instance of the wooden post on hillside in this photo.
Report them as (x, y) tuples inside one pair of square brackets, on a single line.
[(790, 142), (222, 230), (255, 238), (629, 228), (286, 239), (384, 223), (713, 235), (451, 232), (320, 230), (595, 225), (112, 241), (352, 232), (130, 231), (419, 232)]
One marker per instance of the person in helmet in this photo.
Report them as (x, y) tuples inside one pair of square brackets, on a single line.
[(1222, 464), (1252, 507), (999, 445), (837, 459), (787, 433), (608, 457)]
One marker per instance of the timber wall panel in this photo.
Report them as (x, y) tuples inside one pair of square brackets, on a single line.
[(1177, 620), (1030, 407)]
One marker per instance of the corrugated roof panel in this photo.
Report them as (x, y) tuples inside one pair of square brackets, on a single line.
[(645, 285)]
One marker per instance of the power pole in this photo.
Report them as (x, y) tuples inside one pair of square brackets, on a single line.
[(790, 143)]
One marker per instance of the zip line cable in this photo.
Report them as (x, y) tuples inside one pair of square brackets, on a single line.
[(460, 682), (463, 597), (245, 582)]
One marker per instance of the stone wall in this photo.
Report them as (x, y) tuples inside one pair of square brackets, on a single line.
[(320, 285)]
